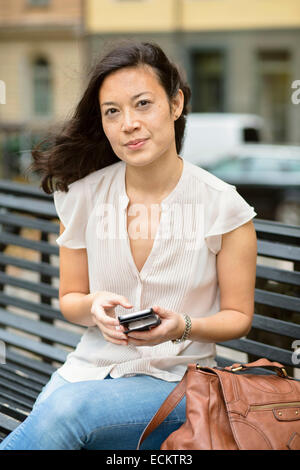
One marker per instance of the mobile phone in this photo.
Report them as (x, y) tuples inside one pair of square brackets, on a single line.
[(139, 321)]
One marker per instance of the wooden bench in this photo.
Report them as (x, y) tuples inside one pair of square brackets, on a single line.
[(35, 339)]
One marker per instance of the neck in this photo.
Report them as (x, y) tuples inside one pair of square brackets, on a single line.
[(153, 182)]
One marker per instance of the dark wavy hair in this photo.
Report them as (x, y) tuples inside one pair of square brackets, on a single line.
[(81, 146)]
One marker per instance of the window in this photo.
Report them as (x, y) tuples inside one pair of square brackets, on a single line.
[(273, 86), (250, 134), (42, 87), (208, 81), (38, 3)]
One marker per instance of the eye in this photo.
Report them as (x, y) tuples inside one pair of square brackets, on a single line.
[(143, 103), (110, 111)]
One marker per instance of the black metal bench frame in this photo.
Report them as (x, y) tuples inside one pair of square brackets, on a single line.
[(36, 339)]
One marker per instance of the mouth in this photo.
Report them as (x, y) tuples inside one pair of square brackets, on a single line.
[(136, 144)]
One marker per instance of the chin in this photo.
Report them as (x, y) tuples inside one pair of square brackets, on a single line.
[(139, 160)]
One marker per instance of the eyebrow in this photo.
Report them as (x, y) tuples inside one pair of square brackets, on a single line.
[(110, 103)]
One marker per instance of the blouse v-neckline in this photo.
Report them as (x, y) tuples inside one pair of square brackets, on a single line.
[(165, 206)]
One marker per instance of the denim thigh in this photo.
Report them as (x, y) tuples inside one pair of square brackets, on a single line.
[(53, 384), (97, 414)]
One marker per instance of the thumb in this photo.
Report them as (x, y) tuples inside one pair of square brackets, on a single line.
[(120, 300), (160, 311)]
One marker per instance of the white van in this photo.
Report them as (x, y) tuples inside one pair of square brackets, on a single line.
[(210, 136)]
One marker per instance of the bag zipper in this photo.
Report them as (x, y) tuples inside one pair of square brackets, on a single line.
[(275, 405)]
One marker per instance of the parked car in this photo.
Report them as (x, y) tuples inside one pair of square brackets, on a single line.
[(267, 176), (210, 136)]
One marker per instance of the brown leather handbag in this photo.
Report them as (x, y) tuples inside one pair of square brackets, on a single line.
[(227, 410)]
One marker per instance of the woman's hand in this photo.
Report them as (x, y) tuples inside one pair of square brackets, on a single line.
[(103, 315), (171, 327)]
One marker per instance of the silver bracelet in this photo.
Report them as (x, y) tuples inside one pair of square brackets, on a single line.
[(187, 330)]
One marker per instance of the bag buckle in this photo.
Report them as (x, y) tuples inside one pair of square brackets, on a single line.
[(235, 369), (284, 372), (281, 369)]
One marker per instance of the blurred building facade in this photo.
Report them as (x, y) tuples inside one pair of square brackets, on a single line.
[(42, 65), (240, 56)]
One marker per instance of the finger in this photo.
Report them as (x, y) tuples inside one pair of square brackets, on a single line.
[(107, 304), (112, 303), (157, 309), (150, 335), (113, 332), (114, 338), (115, 341), (162, 312), (101, 316), (120, 300), (140, 335)]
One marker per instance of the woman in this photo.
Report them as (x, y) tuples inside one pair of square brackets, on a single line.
[(139, 227)]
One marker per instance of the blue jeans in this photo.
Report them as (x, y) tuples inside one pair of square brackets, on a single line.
[(107, 414)]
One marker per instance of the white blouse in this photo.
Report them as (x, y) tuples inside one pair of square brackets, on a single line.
[(179, 274)]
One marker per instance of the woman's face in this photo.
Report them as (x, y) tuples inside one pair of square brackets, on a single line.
[(136, 115)]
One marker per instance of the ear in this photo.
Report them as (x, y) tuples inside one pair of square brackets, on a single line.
[(177, 104)]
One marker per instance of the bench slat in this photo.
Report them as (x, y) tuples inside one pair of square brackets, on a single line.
[(276, 326), (22, 221), (37, 267), (40, 370), (13, 408), (7, 423), (18, 390), (10, 408), (22, 381), (43, 209), (41, 349), (25, 374), (23, 189), (273, 353), (40, 329), (274, 299), (39, 288), (278, 250), (40, 246), (7, 398), (280, 275), (45, 310), (277, 231)]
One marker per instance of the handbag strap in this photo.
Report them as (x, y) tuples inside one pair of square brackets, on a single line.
[(265, 363), (168, 405)]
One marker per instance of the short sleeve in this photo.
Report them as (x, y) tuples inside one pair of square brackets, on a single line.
[(71, 208), (228, 212)]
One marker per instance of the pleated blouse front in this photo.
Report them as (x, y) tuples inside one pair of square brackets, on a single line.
[(179, 273)]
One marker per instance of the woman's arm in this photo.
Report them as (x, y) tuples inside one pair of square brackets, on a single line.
[(81, 307), (74, 299), (236, 269)]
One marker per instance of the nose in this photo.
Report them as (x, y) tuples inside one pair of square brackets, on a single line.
[(129, 123)]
